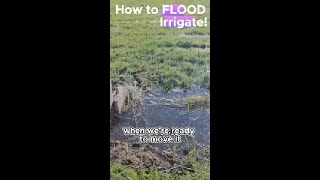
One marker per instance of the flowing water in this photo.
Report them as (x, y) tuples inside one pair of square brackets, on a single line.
[(165, 110)]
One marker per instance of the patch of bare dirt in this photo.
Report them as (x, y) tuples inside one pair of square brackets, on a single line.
[(139, 156)]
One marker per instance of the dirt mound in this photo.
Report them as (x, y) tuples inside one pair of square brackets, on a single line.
[(140, 156)]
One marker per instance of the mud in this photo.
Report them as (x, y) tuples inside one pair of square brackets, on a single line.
[(139, 156)]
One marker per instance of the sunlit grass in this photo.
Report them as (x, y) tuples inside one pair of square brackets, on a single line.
[(171, 57)]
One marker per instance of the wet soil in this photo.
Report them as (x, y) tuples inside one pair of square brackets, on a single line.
[(139, 156), (165, 110)]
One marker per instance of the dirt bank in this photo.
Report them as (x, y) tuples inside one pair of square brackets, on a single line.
[(139, 156)]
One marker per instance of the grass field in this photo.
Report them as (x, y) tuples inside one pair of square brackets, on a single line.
[(168, 57)]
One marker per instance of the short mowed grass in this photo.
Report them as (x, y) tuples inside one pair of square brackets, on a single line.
[(166, 57)]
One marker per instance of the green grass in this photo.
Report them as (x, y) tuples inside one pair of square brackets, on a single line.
[(198, 102), (168, 57), (201, 171)]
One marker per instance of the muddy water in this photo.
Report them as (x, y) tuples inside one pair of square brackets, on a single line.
[(166, 110)]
